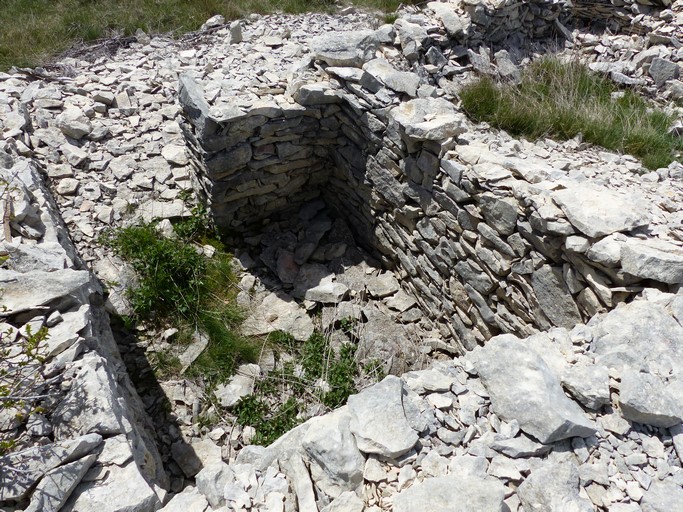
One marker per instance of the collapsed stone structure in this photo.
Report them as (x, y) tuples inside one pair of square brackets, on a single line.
[(489, 235)]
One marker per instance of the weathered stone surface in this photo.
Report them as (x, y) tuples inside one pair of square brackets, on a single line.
[(589, 384), (663, 496), (554, 297), (74, 123), (653, 259), (378, 419), (452, 493), (428, 119), (190, 500), (278, 312), (520, 446), (22, 470), (644, 398), (336, 463), (383, 285), (211, 481), (22, 292), (345, 48), (240, 385), (385, 73), (662, 70), (523, 388), (57, 485), (553, 485), (597, 211), (327, 293)]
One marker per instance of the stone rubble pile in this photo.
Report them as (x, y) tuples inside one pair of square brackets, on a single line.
[(79, 429), (582, 419), (286, 125)]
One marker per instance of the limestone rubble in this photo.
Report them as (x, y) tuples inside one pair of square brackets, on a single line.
[(558, 263)]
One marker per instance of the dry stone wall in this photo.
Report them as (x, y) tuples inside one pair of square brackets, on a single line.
[(486, 241)]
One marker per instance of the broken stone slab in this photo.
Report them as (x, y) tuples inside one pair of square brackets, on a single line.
[(57, 485), (642, 335), (553, 485), (454, 24), (345, 502), (554, 297), (352, 48), (383, 285), (327, 293), (589, 384), (428, 119), (211, 482), (452, 493), (663, 496), (20, 471), (193, 456), (24, 292), (190, 500), (400, 81), (158, 210), (597, 211), (653, 259), (240, 385), (199, 342), (644, 398), (431, 380), (335, 462), (378, 419), (98, 495), (520, 446), (524, 388), (175, 154), (278, 312)]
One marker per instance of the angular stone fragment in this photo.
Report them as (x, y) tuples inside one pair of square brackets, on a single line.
[(278, 312), (598, 211), (56, 486), (520, 446), (524, 388), (335, 462), (554, 297), (662, 70), (553, 486), (452, 493), (653, 259), (429, 119), (211, 481), (383, 285), (378, 419), (240, 385), (644, 398), (399, 81), (190, 500), (74, 123), (327, 293), (663, 496), (589, 384), (20, 471), (345, 48)]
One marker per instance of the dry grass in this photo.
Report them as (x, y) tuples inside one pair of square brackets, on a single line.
[(35, 30)]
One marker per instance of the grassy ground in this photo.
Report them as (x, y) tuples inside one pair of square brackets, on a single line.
[(35, 30), (562, 100)]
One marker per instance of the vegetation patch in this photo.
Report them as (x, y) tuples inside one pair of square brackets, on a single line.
[(35, 30), (565, 99), (316, 377), (179, 286)]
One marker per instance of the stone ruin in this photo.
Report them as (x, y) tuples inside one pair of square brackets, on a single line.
[(546, 275)]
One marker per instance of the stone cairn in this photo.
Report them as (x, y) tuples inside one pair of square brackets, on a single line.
[(551, 271)]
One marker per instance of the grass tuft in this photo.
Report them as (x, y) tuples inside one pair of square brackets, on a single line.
[(180, 287), (563, 100)]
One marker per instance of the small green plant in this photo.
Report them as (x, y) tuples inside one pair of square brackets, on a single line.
[(20, 377), (179, 286), (563, 100), (269, 422)]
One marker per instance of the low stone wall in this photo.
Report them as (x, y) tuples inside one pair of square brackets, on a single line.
[(486, 241), (90, 437)]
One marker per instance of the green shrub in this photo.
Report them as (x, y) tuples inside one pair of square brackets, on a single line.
[(563, 100), (179, 286)]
